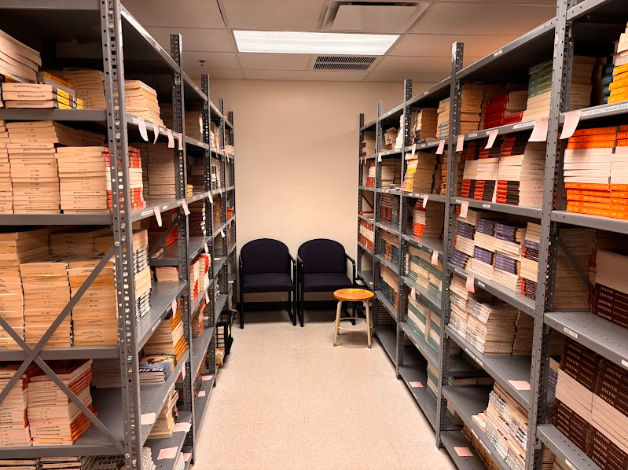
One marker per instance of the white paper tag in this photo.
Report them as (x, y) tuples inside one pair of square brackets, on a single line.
[(182, 427), (206, 297), (470, 284), (155, 132), (201, 393), (413, 149), (205, 247), (173, 305), (435, 258), (492, 135), (539, 134), (441, 147), (413, 293), (222, 233), (141, 124), (572, 119), (168, 453), (425, 199), (186, 456), (573, 334), (148, 418), (184, 204), (379, 157), (206, 378), (170, 138), (460, 143), (464, 209), (180, 141), (157, 213)]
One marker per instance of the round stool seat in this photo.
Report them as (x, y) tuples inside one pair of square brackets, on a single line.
[(353, 295)]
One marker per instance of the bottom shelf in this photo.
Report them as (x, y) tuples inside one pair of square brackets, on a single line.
[(175, 441), (413, 375), (202, 400), (564, 449), (387, 335), (457, 447)]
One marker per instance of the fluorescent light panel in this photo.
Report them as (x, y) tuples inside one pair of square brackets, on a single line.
[(292, 42)]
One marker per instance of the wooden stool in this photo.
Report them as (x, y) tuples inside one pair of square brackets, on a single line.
[(353, 295)]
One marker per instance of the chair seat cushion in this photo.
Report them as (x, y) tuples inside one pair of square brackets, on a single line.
[(325, 282), (267, 282)]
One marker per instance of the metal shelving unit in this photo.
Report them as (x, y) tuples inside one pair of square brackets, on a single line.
[(117, 427), (584, 28)]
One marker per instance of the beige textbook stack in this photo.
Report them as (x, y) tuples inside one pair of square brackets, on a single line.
[(6, 191), (89, 86), (18, 62), (141, 100)]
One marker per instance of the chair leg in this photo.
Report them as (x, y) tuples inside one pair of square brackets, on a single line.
[(291, 311), (302, 305), (337, 322), (242, 313), (368, 322)]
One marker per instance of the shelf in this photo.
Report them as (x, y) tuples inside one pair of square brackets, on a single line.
[(368, 125), (504, 369), (597, 334), (362, 247), (418, 373), (424, 145), (199, 348), (430, 197), (55, 219), (501, 130), (602, 111), (73, 352), (196, 303), (605, 8), (170, 255), (564, 449), (387, 335), (394, 268), (501, 208), (430, 244), (218, 265), (431, 299), (515, 299), (469, 401), (221, 301), (432, 96), (366, 188), (192, 89), (223, 227), (389, 227), (197, 197), (367, 277), (61, 115), (591, 221), (421, 345), (200, 403), (177, 440), (454, 439), (161, 297), (149, 211), (388, 305), (368, 157), (388, 153), (392, 191)]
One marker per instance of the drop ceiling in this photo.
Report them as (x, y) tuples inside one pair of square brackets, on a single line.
[(427, 29)]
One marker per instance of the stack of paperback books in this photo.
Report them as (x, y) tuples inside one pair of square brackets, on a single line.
[(106, 373), (6, 192), (618, 86), (464, 244), (391, 173), (484, 251), (156, 369), (390, 286), (167, 419), (483, 453), (524, 334), (443, 172), (509, 238), (366, 235), (390, 138), (46, 289), (459, 299), (141, 100), (69, 463), (167, 274), (470, 174), (504, 109), (486, 179), (419, 266), (89, 86), (367, 146), (389, 248), (75, 241), (521, 172), (570, 292), (428, 222), (611, 288), (20, 63), (371, 175), (136, 179), (470, 110), (419, 316), (193, 120), (14, 427), (389, 209), (204, 262), (436, 280), (38, 95), (196, 219), (161, 173), (423, 125), (491, 326), (420, 170), (53, 418), (84, 178), (168, 338), (529, 260), (198, 323)]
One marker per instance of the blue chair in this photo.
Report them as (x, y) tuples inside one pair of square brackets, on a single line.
[(322, 267), (266, 266)]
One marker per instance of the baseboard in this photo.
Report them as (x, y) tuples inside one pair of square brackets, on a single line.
[(271, 306)]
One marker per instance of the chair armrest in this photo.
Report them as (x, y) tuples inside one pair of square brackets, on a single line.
[(349, 258), (294, 262)]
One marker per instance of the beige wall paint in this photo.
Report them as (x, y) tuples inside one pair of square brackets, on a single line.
[(296, 155)]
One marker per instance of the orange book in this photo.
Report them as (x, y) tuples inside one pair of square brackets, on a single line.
[(619, 194), (593, 138), (592, 145), (596, 130), (592, 205), (618, 98), (589, 186), (622, 143), (603, 200), (623, 128), (621, 69), (585, 192), (618, 187), (618, 84), (622, 135)]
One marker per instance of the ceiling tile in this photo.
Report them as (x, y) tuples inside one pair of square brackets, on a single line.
[(428, 45), (275, 15), (304, 75), (477, 18), (421, 81), (216, 74), (418, 64), (213, 60), (275, 61), (190, 14), (196, 39)]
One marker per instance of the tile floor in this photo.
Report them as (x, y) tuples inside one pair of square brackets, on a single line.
[(287, 399)]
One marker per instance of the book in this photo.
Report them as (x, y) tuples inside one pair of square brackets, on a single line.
[(18, 62), (155, 369)]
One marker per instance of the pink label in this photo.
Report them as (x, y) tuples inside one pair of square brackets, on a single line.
[(180, 141), (460, 143), (168, 453), (201, 393), (413, 293), (148, 418), (464, 209), (186, 209), (435, 258), (170, 138), (413, 149), (206, 378), (206, 298), (539, 134), (520, 384), (186, 456), (205, 247), (441, 147), (174, 305), (425, 199), (182, 427), (222, 233), (141, 124), (157, 213), (155, 132), (463, 451), (570, 125), (492, 135), (470, 283), (416, 385)]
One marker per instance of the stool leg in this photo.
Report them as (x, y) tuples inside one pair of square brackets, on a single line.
[(368, 322), (337, 325)]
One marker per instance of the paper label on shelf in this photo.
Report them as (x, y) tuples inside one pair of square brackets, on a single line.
[(464, 209), (148, 418), (425, 199), (434, 258), (206, 297), (539, 134), (141, 124), (379, 157), (463, 452), (206, 378), (201, 393), (441, 147), (205, 247), (416, 384), (182, 427), (570, 465), (186, 209), (482, 285), (168, 453), (624, 363), (492, 135), (173, 305), (520, 384), (155, 132), (413, 293), (186, 456), (572, 119), (211, 199), (222, 233), (157, 213), (183, 373), (470, 283), (460, 143), (413, 149), (573, 334), (170, 138), (180, 141)]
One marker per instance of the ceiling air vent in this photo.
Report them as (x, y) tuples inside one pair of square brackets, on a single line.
[(325, 62)]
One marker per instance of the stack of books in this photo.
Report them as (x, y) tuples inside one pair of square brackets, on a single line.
[(618, 87), (198, 323), (484, 250), (442, 122), (17, 248), (420, 171), (141, 100), (166, 274), (509, 239), (486, 179), (94, 317), (193, 120), (168, 338), (443, 172), (38, 95), (570, 292), (390, 138), (470, 110), (46, 289), (389, 209), (480, 449), (459, 299), (161, 173), (389, 247), (607, 79), (14, 427), (366, 233), (204, 261), (20, 63), (389, 286), (419, 266), (464, 243), (75, 241), (216, 211), (391, 173), (89, 86), (423, 125), (214, 135), (6, 192), (524, 335), (428, 222), (371, 175), (469, 174), (167, 419), (106, 373), (504, 109), (67, 463), (53, 418), (84, 178), (156, 369), (611, 289), (399, 140), (196, 219), (435, 280), (491, 326), (136, 180), (419, 317), (368, 144), (521, 172), (529, 260)]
